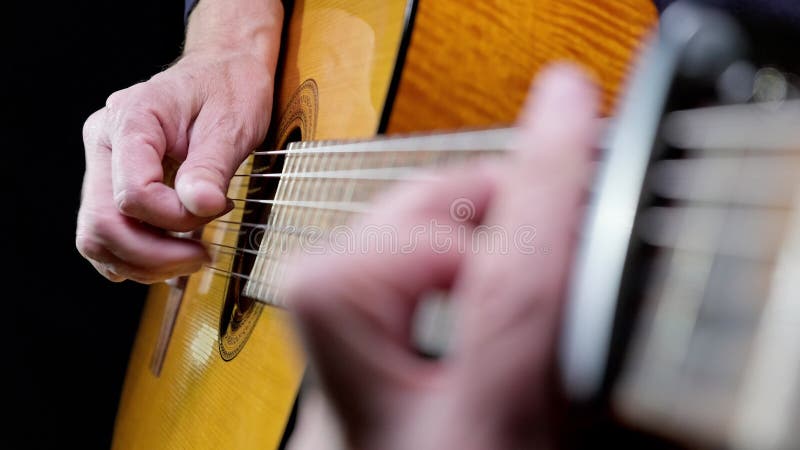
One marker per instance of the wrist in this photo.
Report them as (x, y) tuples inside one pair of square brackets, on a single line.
[(251, 27)]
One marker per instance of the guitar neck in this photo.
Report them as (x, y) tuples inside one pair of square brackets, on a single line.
[(324, 183)]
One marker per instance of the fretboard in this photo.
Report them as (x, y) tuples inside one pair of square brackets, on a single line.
[(714, 354), (323, 184)]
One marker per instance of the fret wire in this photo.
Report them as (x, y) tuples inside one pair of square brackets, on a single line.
[(301, 199), (280, 220), (345, 149), (276, 219), (280, 217), (762, 399), (333, 190), (298, 215), (714, 260), (326, 194), (399, 174), (267, 238), (295, 192), (350, 186), (684, 289), (313, 217)]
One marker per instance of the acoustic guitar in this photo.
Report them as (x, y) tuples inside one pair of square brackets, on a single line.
[(215, 367), (369, 92)]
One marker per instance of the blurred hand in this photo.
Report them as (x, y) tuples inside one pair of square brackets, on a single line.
[(496, 387), (208, 111)]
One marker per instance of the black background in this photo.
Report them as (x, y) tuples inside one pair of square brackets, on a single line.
[(71, 330)]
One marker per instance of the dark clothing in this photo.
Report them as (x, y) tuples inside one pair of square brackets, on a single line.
[(188, 6)]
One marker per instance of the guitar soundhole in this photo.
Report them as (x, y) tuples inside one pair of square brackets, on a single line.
[(240, 313)]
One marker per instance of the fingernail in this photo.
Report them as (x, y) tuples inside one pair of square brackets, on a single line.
[(201, 197)]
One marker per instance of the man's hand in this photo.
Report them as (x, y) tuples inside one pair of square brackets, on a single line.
[(495, 388), (208, 111)]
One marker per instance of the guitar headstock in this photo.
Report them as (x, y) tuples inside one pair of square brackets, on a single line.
[(683, 314)]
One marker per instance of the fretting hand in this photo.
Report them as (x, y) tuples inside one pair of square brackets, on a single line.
[(495, 389)]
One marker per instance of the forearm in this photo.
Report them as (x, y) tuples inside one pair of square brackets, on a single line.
[(236, 26)]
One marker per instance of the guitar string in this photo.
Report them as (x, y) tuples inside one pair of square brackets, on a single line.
[(348, 147), (385, 174), (412, 173), (389, 174), (345, 148), (234, 250), (733, 252), (229, 274), (380, 174), (766, 209), (357, 207)]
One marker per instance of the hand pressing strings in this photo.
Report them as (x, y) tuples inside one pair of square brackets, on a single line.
[(496, 388)]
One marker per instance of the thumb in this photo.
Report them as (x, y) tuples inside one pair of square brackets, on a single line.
[(218, 144)]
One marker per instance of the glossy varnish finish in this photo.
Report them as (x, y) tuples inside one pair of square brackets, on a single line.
[(468, 64), (471, 66)]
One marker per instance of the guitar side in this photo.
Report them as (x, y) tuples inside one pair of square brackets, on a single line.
[(348, 72)]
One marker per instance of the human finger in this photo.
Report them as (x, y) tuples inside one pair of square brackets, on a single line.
[(509, 301), (102, 231), (144, 122)]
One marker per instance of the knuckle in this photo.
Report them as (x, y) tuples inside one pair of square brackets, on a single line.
[(92, 125), (114, 100), (133, 122), (120, 99), (103, 231), (135, 107), (88, 246), (211, 169), (130, 201), (233, 129)]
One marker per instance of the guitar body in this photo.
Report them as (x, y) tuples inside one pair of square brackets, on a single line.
[(209, 372)]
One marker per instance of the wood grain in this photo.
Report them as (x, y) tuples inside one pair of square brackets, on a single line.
[(470, 66)]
